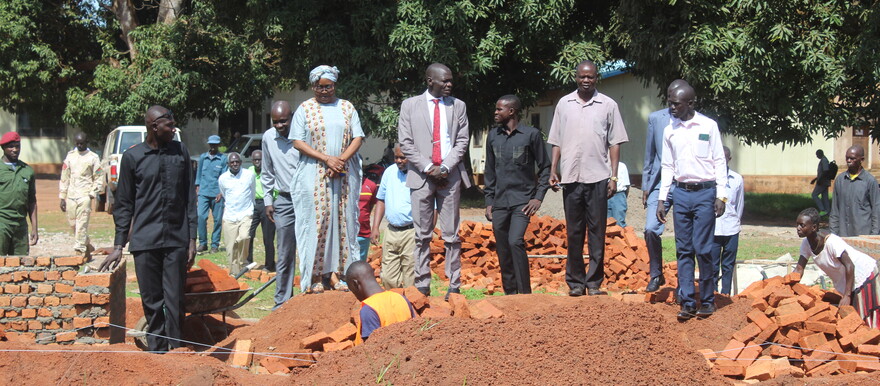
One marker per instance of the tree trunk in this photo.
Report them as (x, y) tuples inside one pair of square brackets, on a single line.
[(125, 14), (169, 11)]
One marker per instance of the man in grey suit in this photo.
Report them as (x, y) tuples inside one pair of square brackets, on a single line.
[(657, 121), (433, 135)]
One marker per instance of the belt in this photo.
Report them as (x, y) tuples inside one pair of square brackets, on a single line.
[(694, 186), (398, 229), (284, 194)]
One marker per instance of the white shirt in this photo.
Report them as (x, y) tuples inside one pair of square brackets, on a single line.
[(238, 194), (445, 142), (729, 223), (622, 177), (692, 152), (829, 261)]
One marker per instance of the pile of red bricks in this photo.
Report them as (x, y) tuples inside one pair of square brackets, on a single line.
[(47, 300), (209, 277), (260, 275), (797, 330), (626, 257)]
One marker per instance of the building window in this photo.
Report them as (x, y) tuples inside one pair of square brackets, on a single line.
[(39, 123)]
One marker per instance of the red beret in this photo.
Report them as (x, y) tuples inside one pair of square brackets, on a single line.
[(10, 137)]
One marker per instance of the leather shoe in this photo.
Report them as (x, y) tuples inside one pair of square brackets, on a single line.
[(594, 291), (686, 313), (424, 290), (655, 283), (706, 310), (202, 248), (451, 291), (576, 291)]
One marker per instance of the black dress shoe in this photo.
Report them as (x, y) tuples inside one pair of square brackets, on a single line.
[(202, 248), (451, 291), (576, 291), (655, 283), (424, 290), (686, 313), (594, 291), (706, 310)]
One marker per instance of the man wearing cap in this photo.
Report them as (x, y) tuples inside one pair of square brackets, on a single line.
[(81, 180), (211, 165), (18, 200)]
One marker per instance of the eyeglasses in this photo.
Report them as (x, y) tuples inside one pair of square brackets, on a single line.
[(325, 87), (169, 115)]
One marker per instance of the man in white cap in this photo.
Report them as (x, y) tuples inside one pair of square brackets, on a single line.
[(211, 165)]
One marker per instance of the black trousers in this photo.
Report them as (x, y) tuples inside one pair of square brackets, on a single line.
[(586, 208), (261, 219), (161, 275), (510, 225)]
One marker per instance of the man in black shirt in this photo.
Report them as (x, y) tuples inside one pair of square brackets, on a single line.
[(513, 193), (156, 208)]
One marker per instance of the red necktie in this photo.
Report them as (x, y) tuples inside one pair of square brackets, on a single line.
[(435, 152)]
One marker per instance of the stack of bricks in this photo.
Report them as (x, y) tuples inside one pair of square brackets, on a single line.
[(797, 330), (47, 300), (869, 244), (626, 257)]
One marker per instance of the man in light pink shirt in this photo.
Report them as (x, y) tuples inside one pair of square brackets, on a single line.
[(586, 134), (693, 160)]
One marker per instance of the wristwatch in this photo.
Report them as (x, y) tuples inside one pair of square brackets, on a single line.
[(613, 179), (723, 199)]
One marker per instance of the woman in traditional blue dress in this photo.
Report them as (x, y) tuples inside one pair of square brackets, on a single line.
[(327, 132)]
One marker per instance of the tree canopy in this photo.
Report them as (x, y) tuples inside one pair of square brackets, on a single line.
[(772, 71)]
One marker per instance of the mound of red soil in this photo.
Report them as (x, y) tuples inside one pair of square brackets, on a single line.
[(595, 340)]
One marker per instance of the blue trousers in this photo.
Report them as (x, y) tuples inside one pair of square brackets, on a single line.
[(724, 250), (653, 229), (364, 243), (206, 203), (285, 264), (617, 207), (694, 214)]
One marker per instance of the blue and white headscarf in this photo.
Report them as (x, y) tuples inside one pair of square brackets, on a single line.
[(325, 72)]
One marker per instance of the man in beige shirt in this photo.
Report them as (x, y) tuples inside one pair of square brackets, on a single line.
[(586, 134), (81, 180)]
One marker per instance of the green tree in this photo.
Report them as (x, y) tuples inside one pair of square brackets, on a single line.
[(772, 71)]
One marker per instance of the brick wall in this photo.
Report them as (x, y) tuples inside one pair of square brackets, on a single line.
[(47, 300), (869, 244)]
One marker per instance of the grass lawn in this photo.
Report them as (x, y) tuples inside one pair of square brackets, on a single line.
[(749, 248)]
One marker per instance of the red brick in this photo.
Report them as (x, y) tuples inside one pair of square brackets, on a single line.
[(19, 301), (5, 301), (869, 349), (68, 275), (844, 311), (29, 313), (747, 333), (12, 262), (10, 314), (274, 366), (102, 333), (44, 312), (51, 301), (68, 313), (67, 301), (867, 365), (729, 368), (760, 304), (68, 261), (862, 336), (21, 337), (44, 261), (792, 307), (343, 333), (53, 275), (826, 369), (459, 305), (37, 275), (34, 325), (82, 322), (82, 298), (757, 317), (44, 289), (826, 316), (761, 370), (20, 276), (819, 356), (52, 325), (813, 341), (12, 288), (35, 301), (827, 328), (25, 288), (243, 353), (102, 322), (485, 310), (67, 325), (748, 354), (338, 346), (316, 341), (98, 279), (101, 299), (848, 324), (418, 300), (65, 336), (732, 349), (6, 277), (63, 288), (791, 319)]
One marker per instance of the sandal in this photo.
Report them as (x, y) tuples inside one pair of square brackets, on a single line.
[(341, 286), (317, 288)]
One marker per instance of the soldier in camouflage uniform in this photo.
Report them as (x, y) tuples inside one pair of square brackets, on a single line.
[(81, 180)]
